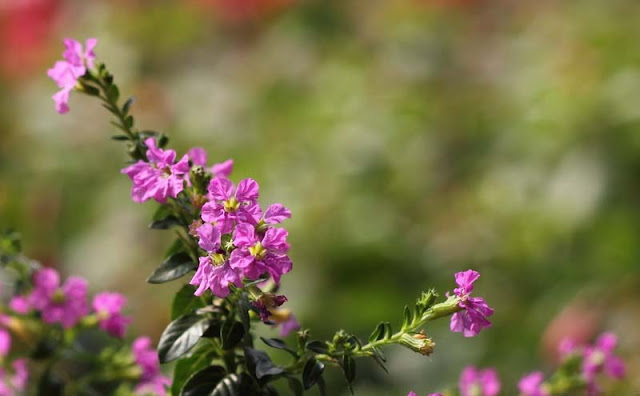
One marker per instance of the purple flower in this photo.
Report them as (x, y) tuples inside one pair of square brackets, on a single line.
[(151, 381), (474, 382), (275, 214), (65, 305), (159, 178), (208, 237), (600, 357), (20, 304), (473, 317), (108, 308), (266, 303), (532, 385), (255, 255), (67, 72), (199, 157), (215, 273), (229, 205), (412, 393)]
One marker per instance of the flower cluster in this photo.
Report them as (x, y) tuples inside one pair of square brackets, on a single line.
[(256, 248), (473, 317), (67, 72), (67, 304), (596, 359)]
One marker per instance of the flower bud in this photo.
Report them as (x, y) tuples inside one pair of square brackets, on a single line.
[(426, 300), (418, 342)]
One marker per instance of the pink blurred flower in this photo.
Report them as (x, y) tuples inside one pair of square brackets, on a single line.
[(474, 382), (108, 308), (67, 72), (532, 385), (65, 304), (151, 381)]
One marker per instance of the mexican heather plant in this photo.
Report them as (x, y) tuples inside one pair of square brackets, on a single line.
[(234, 254)]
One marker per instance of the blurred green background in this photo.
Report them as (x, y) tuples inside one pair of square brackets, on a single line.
[(411, 139)]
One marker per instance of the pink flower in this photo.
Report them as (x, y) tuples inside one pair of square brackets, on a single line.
[(208, 237), (159, 178), (275, 214), (16, 383), (289, 325), (108, 308), (229, 205), (532, 385), (66, 304), (151, 381), (199, 157), (599, 358), (255, 255), (67, 72), (5, 342), (474, 316), (474, 382), (215, 273), (19, 304)]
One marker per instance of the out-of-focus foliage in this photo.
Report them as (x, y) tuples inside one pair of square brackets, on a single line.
[(410, 138)]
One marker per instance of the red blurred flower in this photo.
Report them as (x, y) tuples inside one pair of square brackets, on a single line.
[(25, 26)]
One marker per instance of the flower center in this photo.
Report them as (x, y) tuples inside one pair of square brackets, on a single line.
[(58, 296), (231, 205), (597, 358), (166, 170), (217, 259), (257, 250), (475, 390)]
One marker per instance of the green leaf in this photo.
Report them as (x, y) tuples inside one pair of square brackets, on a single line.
[(407, 317), (163, 140), (311, 373), (317, 346), (128, 122), (378, 333), (185, 302), (388, 332), (259, 362), (231, 334), (185, 367), (349, 367), (173, 267), (244, 306), (127, 105), (180, 336), (279, 344), (113, 93), (120, 137), (203, 382), (50, 384), (379, 358)]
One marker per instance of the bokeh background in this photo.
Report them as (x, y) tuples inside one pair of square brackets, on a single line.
[(411, 139)]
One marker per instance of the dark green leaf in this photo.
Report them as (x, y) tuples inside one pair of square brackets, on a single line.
[(172, 268), (260, 362), (379, 358), (279, 344), (311, 373), (128, 122), (317, 346), (349, 368), (244, 306), (50, 384), (127, 105), (378, 332), (163, 140), (231, 334), (185, 302), (203, 382), (180, 336), (120, 137), (185, 367), (113, 93)]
